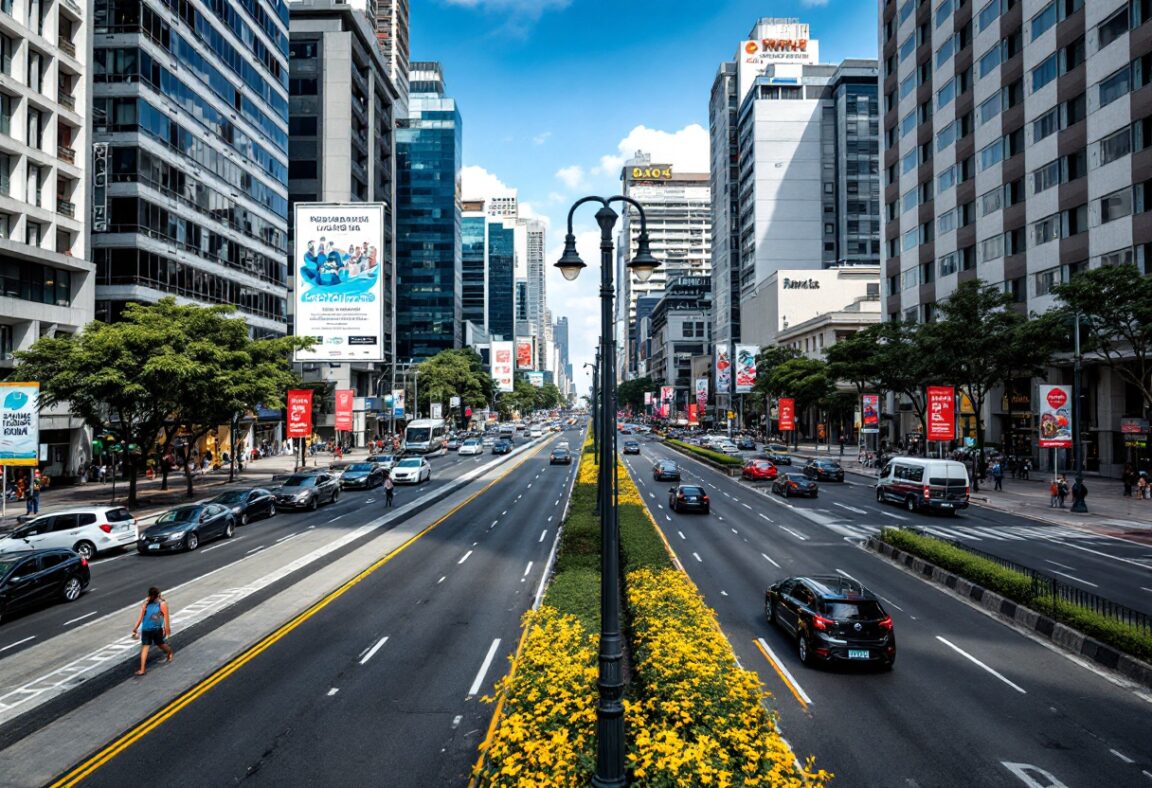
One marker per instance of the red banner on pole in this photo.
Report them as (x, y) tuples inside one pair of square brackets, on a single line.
[(344, 399), (941, 413), (787, 414), (693, 414), (299, 413)]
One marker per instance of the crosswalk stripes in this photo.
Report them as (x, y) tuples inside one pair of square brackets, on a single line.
[(967, 533)]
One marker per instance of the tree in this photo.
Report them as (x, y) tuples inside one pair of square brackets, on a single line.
[(806, 380), (901, 364), (767, 360), (631, 393), (454, 373), (1115, 307), (857, 359)]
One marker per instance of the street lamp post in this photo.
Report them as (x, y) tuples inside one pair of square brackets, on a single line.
[(1078, 504), (595, 410), (610, 738)]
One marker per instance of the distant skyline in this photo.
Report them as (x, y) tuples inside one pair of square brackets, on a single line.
[(556, 94)]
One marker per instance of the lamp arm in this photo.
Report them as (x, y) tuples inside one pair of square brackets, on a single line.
[(577, 204), (634, 204)]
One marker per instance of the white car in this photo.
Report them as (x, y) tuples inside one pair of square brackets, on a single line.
[(471, 446), (84, 531), (411, 470), (535, 432)]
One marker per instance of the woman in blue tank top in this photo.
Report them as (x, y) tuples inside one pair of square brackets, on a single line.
[(154, 627)]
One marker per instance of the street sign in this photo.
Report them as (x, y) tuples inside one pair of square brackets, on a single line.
[(437, 410)]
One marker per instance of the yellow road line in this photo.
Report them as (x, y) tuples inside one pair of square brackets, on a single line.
[(783, 676), (494, 722), (150, 724)]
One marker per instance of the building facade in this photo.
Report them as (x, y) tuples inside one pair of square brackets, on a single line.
[(474, 264), (724, 180), (47, 278), (501, 270), (1018, 151), (680, 330), (392, 34), (191, 111), (428, 218)]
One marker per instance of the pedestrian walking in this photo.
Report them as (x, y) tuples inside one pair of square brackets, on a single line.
[(1129, 479), (33, 503), (1079, 492), (1142, 487), (1054, 491), (153, 627), (1063, 489), (998, 476), (1026, 469), (389, 491)]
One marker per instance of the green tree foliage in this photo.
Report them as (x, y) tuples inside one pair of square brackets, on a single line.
[(454, 373), (857, 360), (768, 360), (630, 393), (804, 379), (1115, 306)]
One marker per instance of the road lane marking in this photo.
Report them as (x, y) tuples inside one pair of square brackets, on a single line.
[(698, 558), (855, 509), (503, 512), (527, 569), (441, 580), (746, 506), (801, 537), (255, 550), (494, 523), (543, 534), (733, 530), (79, 618), (286, 538), (1032, 775), (332, 691), (893, 604), (766, 517), (1144, 588), (1062, 566), (1122, 756), (549, 518), (337, 517), (895, 516), (781, 671), (651, 495), (668, 517), (659, 506), (207, 549), (465, 558), (723, 593), (769, 560), (456, 721), (372, 651), (980, 664), (842, 573), (1072, 577), (529, 485), (18, 642), (479, 681), (682, 536)]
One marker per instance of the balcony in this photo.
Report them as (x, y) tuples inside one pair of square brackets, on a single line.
[(66, 208), (66, 46), (73, 6), (64, 153)]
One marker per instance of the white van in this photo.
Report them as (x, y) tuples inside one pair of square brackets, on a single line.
[(921, 483), (424, 436)]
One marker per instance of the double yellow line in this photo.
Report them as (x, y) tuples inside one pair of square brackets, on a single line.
[(119, 745)]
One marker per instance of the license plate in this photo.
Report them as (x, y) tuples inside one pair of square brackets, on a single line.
[(945, 506), (153, 547), (690, 499), (857, 653)]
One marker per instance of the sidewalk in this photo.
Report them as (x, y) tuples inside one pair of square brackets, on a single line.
[(151, 500), (1108, 510)]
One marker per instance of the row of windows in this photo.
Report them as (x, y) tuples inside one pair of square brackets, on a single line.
[(31, 281)]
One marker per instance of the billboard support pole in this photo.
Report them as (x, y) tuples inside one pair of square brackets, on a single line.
[(1078, 505), (4, 495)]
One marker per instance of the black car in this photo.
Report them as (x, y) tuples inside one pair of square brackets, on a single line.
[(775, 457), (789, 484), (502, 446), (248, 505), (307, 491), (833, 618), (185, 527), (688, 498), (560, 457), (666, 471), (824, 470), (32, 577), (746, 443), (363, 476), (631, 447)]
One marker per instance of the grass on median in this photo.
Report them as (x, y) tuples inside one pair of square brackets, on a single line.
[(1020, 589), (700, 451)]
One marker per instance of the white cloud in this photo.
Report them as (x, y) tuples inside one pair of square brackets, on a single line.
[(555, 197), (686, 150), (572, 176), (528, 211), (479, 184), (541, 138), (579, 301)]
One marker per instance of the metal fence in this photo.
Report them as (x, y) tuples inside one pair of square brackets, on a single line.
[(1048, 590)]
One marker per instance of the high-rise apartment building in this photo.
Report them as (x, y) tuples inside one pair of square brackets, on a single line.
[(191, 110), (47, 279), (1017, 141), (392, 34), (678, 209), (428, 219), (536, 294)]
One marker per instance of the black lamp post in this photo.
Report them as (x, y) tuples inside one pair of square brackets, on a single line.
[(610, 710), (1078, 504), (595, 395)]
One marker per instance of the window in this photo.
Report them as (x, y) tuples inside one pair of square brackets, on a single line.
[(1045, 280), (1045, 230), (989, 108), (33, 138), (946, 50), (1046, 177), (1075, 165), (990, 60), (908, 123), (910, 279), (1115, 86), (906, 9), (908, 163), (1116, 205), (1015, 241), (988, 15), (946, 136), (909, 241), (1068, 7), (1115, 146), (991, 154), (907, 46), (1119, 257), (1044, 20), (1113, 27), (1075, 221), (948, 264), (946, 180), (1072, 55), (909, 201), (991, 248), (1046, 125), (945, 94), (992, 201), (5, 174), (1075, 110), (1045, 72), (946, 222), (943, 12), (907, 85)]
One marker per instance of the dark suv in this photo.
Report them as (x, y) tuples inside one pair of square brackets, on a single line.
[(308, 490), (833, 619), (33, 577)]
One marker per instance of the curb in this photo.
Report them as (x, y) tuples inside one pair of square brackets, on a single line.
[(1058, 634), (728, 470)]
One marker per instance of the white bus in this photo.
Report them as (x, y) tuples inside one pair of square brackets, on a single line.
[(424, 436)]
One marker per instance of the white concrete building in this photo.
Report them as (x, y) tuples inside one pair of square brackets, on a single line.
[(788, 298)]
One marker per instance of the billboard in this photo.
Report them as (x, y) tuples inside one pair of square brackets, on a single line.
[(299, 413), (503, 365), (783, 41), (19, 423), (344, 398), (723, 370), (870, 414), (702, 394), (746, 367), (397, 403), (647, 397), (1055, 417), (339, 287), (524, 353), (436, 410), (666, 395), (536, 379), (787, 414), (941, 413), (693, 414)]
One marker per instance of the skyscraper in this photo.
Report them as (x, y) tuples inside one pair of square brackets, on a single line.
[(428, 219), (474, 264), (197, 205), (502, 279), (725, 182), (392, 34)]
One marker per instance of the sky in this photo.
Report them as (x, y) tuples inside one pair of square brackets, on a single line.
[(556, 94)]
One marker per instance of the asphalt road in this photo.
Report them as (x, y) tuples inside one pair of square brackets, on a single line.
[(384, 684), (121, 579), (970, 701)]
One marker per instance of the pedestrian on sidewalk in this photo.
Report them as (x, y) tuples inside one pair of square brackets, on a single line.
[(34, 495), (389, 491), (1079, 492), (998, 476), (1054, 491), (154, 627), (1129, 479), (1142, 486), (1025, 469), (1063, 489)]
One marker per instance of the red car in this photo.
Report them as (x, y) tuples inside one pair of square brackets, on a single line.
[(759, 470)]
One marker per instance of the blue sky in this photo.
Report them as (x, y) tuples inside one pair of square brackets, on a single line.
[(554, 94)]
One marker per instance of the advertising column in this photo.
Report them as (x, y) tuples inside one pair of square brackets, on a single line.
[(300, 418), (503, 365), (724, 381), (19, 430), (787, 412), (1055, 421), (941, 415)]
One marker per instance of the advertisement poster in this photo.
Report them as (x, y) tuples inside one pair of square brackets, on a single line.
[(666, 394), (344, 399), (693, 414), (503, 365), (524, 353), (746, 367), (19, 424), (437, 410), (787, 414), (338, 286), (702, 394), (647, 397), (870, 420), (397, 403), (536, 379), (299, 413), (941, 413), (1055, 417), (723, 370)]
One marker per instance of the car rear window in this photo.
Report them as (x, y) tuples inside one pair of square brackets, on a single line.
[(856, 610), (692, 490), (942, 482), (118, 515)]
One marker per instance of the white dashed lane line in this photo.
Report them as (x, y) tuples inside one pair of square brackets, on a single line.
[(527, 569), (766, 517), (371, 652), (255, 550), (769, 560), (80, 618), (18, 642), (801, 537), (682, 536), (543, 534), (465, 558), (479, 680), (697, 557), (981, 665)]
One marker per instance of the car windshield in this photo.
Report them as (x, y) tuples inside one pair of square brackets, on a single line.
[(668, 466), (382, 458), (692, 490), (412, 462), (360, 466), (797, 477), (560, 452), (236, 496), (471, 442), (853, 610), (300, 481), (417, 434), (181, 515)]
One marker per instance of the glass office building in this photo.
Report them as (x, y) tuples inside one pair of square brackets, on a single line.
[(428, 219), (474, 301), (501, 280)]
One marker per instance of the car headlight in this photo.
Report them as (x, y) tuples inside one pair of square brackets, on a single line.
[(302, 496), (174, 537)]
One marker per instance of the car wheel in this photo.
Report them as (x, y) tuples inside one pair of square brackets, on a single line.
[(803, 650), (770, 610), (272, 510), (336, 495), (707, 510), (244, 518), (314, 504), (230, 529), (879, 496), (85, 550), (910, 503), (191, 541), (72, 589)]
